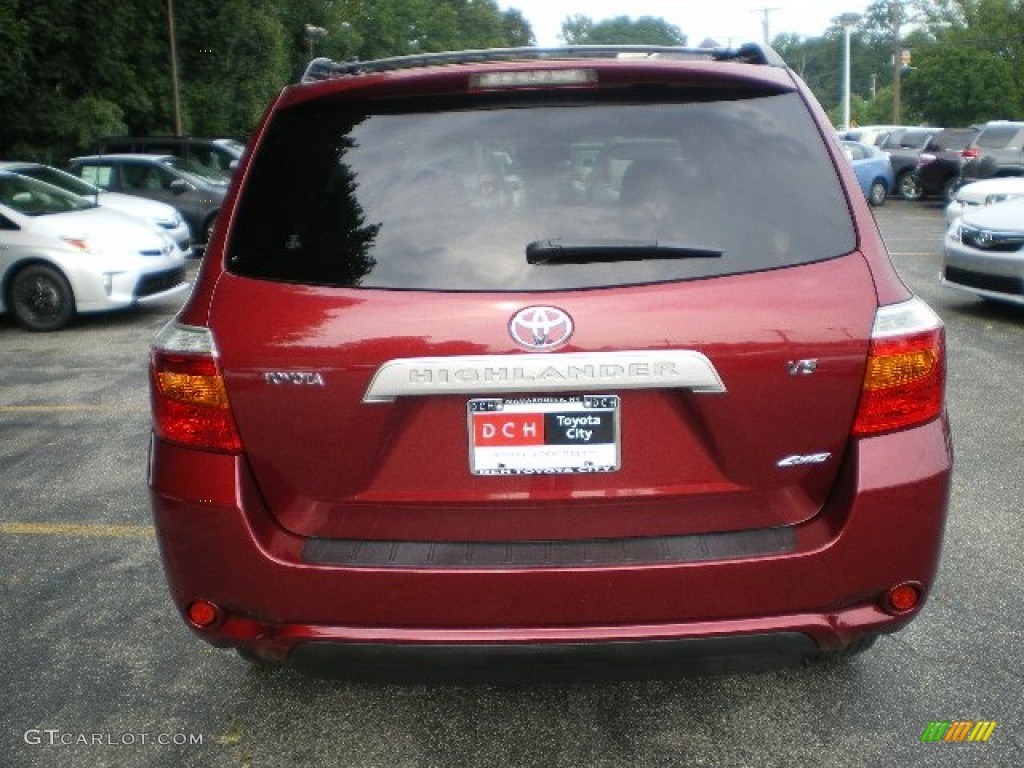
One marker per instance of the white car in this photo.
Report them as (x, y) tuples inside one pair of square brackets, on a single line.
[(984, 252), (161, 214), (61, 255), (981, 193)]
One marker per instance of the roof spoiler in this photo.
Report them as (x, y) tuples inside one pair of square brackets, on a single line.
[(750, 53)]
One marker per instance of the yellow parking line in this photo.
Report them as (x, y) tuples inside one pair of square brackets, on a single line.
[(77, 529), (68, 408)]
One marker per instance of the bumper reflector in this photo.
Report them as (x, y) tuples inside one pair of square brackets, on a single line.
[(203, 613), (902, 598)]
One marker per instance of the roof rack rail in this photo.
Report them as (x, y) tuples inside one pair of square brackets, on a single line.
[(326, 69)]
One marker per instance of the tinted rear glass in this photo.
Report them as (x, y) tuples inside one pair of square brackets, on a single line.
[(449, 198), (952, 139), (997, 137)]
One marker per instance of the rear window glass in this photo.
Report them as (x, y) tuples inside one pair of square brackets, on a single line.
[(452, 198), (952, 139), (997, 137)]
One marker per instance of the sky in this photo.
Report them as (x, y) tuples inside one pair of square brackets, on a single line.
[(728, 22)]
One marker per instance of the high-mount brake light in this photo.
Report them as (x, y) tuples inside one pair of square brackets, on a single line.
[(904, 380), (190, 401), (533, 78)]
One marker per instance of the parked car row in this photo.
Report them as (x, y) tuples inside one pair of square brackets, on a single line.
[(930, 162), (196, 190), (220, 155), (979, 171), (112, 230), (161, 214)]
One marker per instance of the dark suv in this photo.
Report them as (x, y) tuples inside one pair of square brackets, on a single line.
[(904, 146), (437, 404), (943, 158), (997, 151), (221, 155)]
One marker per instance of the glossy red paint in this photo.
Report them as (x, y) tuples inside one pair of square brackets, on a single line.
[(696, 462), (831, 585)]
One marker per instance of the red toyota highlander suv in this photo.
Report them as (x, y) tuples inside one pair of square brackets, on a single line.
[(518, 359)]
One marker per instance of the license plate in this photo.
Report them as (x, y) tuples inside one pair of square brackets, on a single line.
[(544, 435)]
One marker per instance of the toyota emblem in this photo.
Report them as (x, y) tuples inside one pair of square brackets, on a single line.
[(540, 328)]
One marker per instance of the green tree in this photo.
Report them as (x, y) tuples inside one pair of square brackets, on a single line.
[(233, 56), (960, 85), (69, 64), (817, 61), (647, 30), (381, 28), (518, 31)]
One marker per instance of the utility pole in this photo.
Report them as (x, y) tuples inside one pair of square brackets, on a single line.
[(896, 20), (174, 68), (765, 22), (847, 21)]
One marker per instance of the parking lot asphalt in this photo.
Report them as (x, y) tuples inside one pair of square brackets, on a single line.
[(98, 670)]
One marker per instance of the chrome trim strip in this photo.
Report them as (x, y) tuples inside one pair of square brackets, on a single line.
[(569, 372)]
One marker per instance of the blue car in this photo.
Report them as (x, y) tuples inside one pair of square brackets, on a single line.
[(873, 169)]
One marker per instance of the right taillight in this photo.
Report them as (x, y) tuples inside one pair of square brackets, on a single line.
[(970, 154), (905, 377), (190, 401)]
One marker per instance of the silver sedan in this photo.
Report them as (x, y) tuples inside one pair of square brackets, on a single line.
[(61, 255), (984, 252), (977, 194)]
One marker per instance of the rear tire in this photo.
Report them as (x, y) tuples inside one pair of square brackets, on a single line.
[(256, 660), (950, 188), (855, 648), (41, 298), (859, 646), (909, 187), (878, 193)]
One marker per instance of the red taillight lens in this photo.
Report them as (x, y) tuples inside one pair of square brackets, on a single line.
[(904, 381), (190, 402), (970, 154)]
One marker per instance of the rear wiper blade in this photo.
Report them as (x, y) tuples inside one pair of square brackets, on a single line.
[(560, 251)]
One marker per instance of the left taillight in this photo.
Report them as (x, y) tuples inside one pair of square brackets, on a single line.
[(189, 399), (905, 378)]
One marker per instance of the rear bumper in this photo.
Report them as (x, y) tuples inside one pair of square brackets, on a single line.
[(548, 662), (882, 527)]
